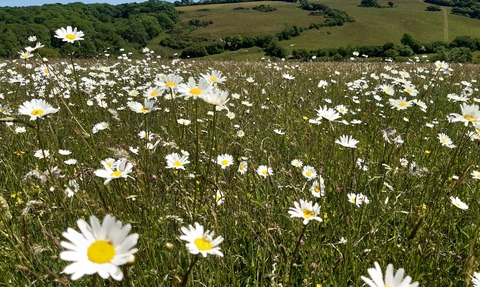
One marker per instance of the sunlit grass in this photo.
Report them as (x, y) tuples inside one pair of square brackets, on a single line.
[(399, 166)]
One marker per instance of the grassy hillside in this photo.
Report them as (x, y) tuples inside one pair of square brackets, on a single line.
[(372, 26)]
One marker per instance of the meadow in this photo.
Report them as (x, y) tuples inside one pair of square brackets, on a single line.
[(385, 155), (372, 26)]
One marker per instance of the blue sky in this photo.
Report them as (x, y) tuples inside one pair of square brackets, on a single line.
[(13, 3)]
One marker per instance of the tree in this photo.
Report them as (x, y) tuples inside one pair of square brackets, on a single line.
[(369, 3), (391, 4), (408, 40)]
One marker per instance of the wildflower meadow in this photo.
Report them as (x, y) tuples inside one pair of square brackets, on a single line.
[(169, 172)]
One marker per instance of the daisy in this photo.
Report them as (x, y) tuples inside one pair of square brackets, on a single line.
[(347, 141), (242, 167), (171, 82), (328, 114), (297, 163), (219, 199), (36, 109), (191, 89), (475, 174), (309, 172), (201, 242), (25, 55), (20, 130), (470, 114), (218, 98), (264, 171), (152, 93), (225, 160), (444, 139), (184, 122), (391, 280), (64, 152), (387, 89), (318, 188), (142, 109), (100, 127), (214, 77), (99, 248), (240, 134), (353, 198), (400, 103), (341, 109), (71, 161), (174, 160), (146, 135), (305, 210), (120, 169), (288, 76), (109, 162), (41, 154), (458, 203), (69, 35)]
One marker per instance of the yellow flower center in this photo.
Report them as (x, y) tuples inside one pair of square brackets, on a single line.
[(195, 91), (37, 112), (177, 163), (46, 71), (308, 173), (170, 84), (470, 118), (109, 164), (241, 167), (144, 110), (213, 79), (101, 252), (264, 172), (308, 213), (402, 104), (317, 189), (203, 244), (457, 204), (225, 162), (409, 90), (154, 93), (116, 173), (70, 36)]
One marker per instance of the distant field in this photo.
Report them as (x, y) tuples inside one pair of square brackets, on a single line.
[(372, 26)]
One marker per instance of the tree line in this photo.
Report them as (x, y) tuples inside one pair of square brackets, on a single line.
[(127, 26), (470, 8)]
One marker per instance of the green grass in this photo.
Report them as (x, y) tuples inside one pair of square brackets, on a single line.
[(413, 224)]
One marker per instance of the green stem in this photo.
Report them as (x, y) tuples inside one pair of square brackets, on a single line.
[(289, 281), (190, 268)]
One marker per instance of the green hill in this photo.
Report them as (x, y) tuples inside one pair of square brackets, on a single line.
[(372, 26)]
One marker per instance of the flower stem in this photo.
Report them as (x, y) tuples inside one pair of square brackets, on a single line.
[(94, 279), (289, 281), (185, 277)]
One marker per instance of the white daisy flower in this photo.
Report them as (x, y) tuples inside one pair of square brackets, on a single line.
[(69, 35), (120, 169), (201, 242), (458, 203), (174, 160), (36, 109), (99, 248), (305, 210), (225, 160), (391, 280)]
